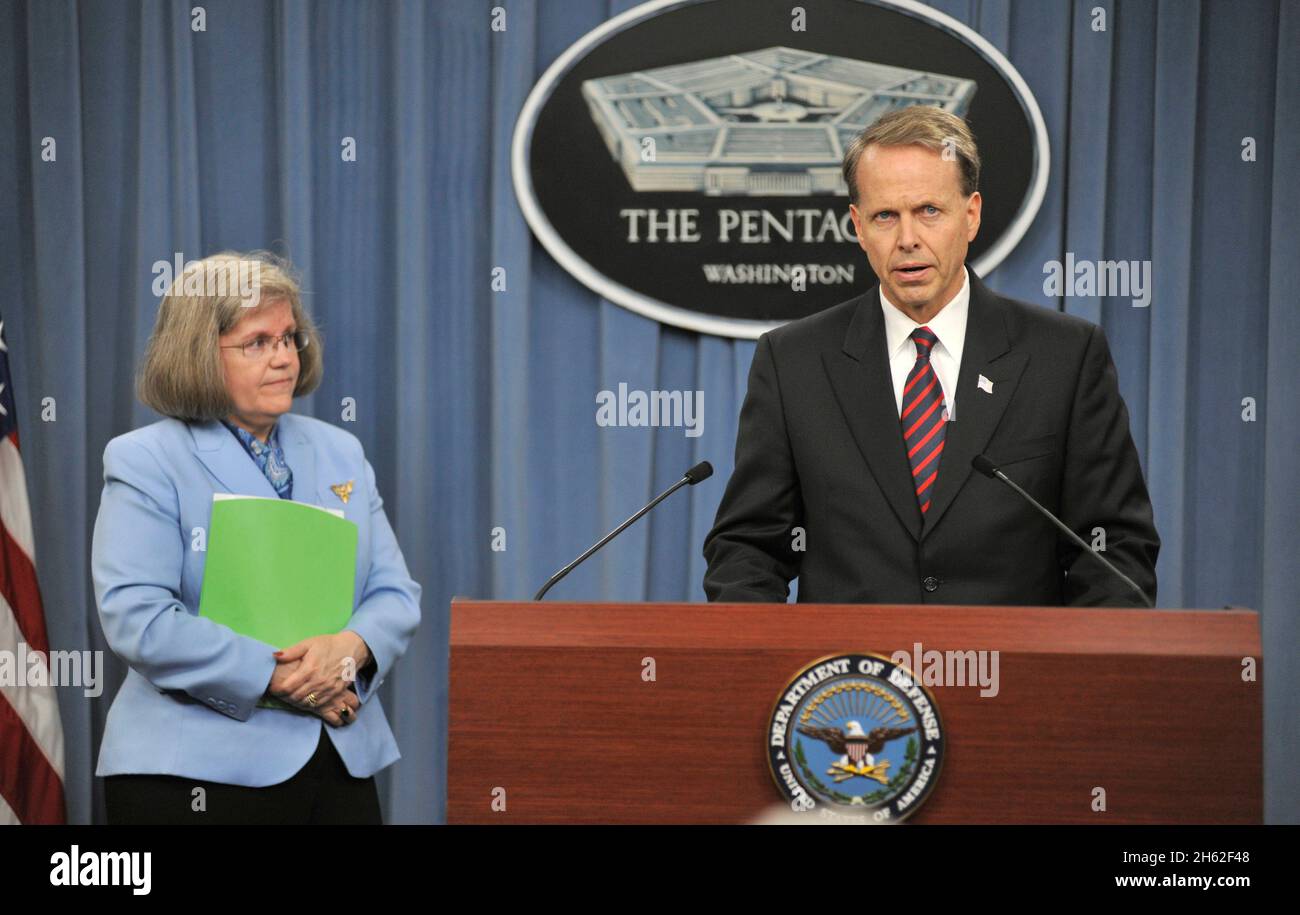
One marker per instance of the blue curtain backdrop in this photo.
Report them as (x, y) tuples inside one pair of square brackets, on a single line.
[(477, 407)]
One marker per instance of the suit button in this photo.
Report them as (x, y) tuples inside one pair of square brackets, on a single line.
[(931, 583)]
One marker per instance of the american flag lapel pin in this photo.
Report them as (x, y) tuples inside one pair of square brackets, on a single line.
[(985, 385)]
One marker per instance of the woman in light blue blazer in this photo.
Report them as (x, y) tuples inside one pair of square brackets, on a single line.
[(231, 347)]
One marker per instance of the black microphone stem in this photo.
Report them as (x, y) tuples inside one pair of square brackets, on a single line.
[(1073, 536), (554, 579)]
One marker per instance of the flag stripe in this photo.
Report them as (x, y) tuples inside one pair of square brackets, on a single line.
[(36, 706), (31, 732), (20, 591), (15, 513), (7, 815), (28, 782)]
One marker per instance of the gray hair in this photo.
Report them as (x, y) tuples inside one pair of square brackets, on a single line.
[(918, 125), (181, 374)]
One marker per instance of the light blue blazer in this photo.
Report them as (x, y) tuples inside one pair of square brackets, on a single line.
[(188, 704)]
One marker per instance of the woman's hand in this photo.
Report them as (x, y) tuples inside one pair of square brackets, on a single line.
[(331, 714), (322, 667)]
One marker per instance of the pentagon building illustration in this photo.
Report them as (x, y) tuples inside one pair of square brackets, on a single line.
[(762, 123)]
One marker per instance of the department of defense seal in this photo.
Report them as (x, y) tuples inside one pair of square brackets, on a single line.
[(855, 735)]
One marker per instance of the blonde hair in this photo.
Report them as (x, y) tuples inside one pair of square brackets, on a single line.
[(181, 374), (918, 125)]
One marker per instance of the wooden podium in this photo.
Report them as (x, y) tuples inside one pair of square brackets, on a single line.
[(552, 715)]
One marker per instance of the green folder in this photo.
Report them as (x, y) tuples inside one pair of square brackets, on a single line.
[(278, 571)]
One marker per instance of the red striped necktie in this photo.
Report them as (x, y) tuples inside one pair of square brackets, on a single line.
[(923, 419)]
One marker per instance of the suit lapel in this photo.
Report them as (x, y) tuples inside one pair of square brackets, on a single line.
[(227, 461), (860, 377), (986, 352), (301, 458)]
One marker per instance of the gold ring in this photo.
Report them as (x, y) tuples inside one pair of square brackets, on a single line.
[(311, 699)]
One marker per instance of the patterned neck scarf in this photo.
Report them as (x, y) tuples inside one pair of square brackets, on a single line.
[(268, 456)]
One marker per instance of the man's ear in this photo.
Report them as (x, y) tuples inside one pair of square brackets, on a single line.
[(973, 207)]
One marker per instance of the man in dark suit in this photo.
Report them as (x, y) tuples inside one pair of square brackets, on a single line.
[(853, 458)]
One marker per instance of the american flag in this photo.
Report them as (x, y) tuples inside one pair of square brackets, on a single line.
[(31, 735)]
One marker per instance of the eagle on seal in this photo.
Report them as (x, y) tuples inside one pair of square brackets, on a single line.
[(852, 743)]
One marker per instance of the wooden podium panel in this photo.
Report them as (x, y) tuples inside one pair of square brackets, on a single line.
[(549, 703)]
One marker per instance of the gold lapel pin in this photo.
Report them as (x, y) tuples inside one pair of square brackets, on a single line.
[(342, 490)]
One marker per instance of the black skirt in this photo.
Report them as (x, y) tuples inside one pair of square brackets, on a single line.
[(321, 793)]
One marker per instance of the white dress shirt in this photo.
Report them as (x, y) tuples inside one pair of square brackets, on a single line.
[(949, 325)]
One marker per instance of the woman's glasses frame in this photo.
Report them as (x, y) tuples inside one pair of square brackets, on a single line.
[(261, 347)]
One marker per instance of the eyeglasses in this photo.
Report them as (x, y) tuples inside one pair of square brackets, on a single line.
[(263, 346)]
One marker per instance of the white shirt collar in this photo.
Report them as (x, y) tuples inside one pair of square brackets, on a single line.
[(949, 325)]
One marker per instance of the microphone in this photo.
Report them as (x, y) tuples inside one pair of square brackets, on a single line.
[(697, 474), (990, 470)]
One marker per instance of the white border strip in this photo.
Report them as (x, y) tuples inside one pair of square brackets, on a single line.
[(596, 281)]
